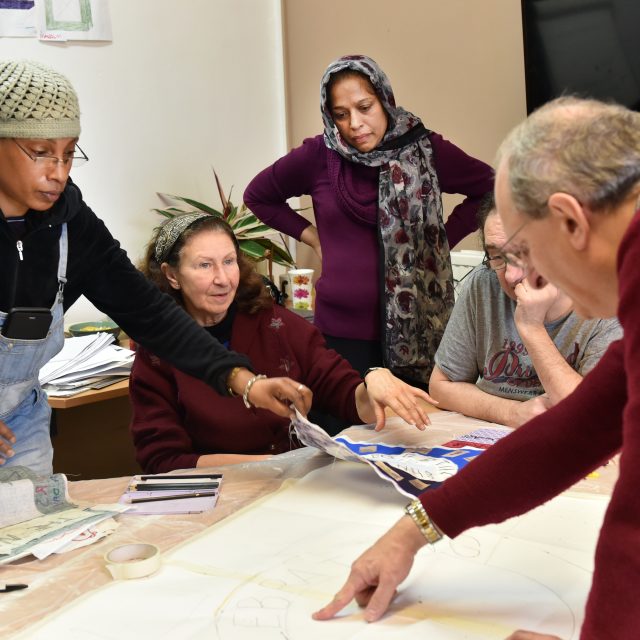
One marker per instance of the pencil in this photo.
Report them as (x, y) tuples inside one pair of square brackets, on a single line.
[(213, 476), (161, 486), (203, 494)]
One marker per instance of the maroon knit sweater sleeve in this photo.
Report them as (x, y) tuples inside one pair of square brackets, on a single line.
[(458, 172), (540, 459), (290, 176), (161, 442), (612, 609)]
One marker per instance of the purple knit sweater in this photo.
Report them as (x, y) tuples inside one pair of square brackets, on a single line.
[(348, 291)]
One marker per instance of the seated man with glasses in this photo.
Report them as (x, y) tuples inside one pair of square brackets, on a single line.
[(513, 346)]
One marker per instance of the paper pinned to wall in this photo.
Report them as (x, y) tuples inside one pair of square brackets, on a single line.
[(61, 20), (17, 18)]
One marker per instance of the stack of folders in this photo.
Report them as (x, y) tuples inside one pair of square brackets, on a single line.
[(166, 494)]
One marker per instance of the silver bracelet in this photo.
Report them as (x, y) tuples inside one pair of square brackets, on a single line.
[(250, 383)]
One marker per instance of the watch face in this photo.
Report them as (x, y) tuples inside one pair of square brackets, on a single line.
[(419, 466)]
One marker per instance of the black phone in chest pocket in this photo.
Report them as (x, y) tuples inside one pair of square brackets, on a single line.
[(27, 323)]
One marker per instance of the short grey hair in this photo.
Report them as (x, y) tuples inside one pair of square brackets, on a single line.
[(586, 148)]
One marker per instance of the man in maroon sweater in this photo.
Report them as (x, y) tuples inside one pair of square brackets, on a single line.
[(567, 190)]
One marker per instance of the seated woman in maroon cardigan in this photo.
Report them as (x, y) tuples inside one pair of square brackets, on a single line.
[(178, 422)]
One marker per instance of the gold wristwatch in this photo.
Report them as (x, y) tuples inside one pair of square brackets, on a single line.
[(428, 529)]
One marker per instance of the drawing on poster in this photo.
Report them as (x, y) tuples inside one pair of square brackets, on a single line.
[(68, 15), (23, 5), (17, 18)]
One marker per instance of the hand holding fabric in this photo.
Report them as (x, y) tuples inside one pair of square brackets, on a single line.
[(279, 394)]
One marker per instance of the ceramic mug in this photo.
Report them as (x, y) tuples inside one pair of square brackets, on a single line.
[(301, 282)]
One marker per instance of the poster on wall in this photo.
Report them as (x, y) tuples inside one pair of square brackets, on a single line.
[(55, 20), (17, 18), (61, 20)]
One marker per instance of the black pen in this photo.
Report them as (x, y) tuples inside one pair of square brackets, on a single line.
[(162, 486), (13, 587), (203, 494), (213, 476)]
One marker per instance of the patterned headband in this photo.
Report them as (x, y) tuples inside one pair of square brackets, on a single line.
[(171, 231)]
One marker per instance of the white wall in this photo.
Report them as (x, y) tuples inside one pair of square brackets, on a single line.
[(182, 87)]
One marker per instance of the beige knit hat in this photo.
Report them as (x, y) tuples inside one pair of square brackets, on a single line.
[(36, 102)]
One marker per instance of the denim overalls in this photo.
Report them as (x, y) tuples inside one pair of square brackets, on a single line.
[(23, 404)]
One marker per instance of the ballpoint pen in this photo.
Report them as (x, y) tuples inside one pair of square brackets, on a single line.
[(202, 494)]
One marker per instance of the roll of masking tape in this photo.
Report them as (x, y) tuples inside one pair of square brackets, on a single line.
[(133, 561)]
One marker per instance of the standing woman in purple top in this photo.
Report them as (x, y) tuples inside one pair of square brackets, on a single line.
[(375, 178)]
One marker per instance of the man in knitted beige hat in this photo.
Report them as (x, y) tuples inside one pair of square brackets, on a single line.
[(53, 249)]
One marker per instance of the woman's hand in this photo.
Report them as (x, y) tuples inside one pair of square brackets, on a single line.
[(377, 572), (385, 390), (7, 438), (278, 394)]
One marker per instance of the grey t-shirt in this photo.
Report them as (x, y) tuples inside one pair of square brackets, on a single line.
[(481, 343)]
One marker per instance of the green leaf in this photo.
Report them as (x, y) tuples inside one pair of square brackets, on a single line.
[(252, 249), (280, 256), (202, 207)]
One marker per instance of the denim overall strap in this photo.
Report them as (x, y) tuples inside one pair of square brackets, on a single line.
[(62, 263)]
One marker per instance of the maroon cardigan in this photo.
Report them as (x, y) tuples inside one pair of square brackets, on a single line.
[(177, 418), (550, 453)]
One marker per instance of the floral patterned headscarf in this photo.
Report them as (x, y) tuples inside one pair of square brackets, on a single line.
[(417, 281)]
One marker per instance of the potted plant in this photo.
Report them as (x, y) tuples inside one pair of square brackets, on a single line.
[(254, 237)]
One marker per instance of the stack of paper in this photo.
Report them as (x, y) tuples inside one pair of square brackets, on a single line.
[(86, 362), (38, 519)]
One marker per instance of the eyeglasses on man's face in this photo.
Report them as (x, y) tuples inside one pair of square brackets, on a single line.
[(494, 260), (77, 157), (515, 256)]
